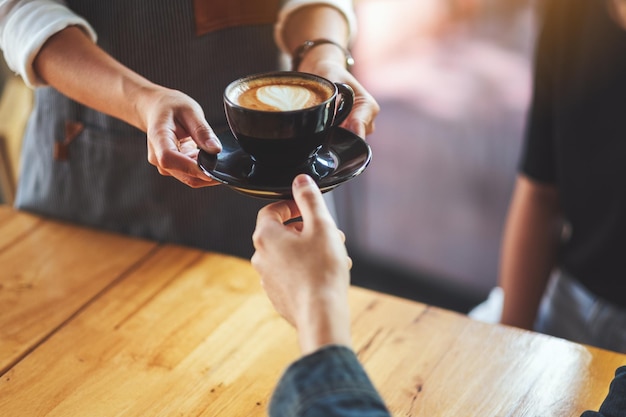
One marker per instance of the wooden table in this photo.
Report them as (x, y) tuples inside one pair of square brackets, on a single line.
[(96, 324)]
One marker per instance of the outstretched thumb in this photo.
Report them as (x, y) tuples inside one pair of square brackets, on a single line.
[(309, 199)]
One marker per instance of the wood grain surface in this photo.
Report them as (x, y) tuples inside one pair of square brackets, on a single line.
[(97, 324)]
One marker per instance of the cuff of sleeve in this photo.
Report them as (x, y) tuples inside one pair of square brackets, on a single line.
[(344, 6), (331, 378), (29, 27)]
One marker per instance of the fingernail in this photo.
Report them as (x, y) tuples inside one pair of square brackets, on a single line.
[(302, 180), (214, 144)]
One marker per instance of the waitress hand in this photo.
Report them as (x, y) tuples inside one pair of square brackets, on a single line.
[(365, 108), (176, 129), (175, 124)]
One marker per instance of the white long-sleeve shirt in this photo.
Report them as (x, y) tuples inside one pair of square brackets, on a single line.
[(25, 25)]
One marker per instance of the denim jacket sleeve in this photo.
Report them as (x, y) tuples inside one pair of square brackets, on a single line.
[(327, 383), (614, 405)]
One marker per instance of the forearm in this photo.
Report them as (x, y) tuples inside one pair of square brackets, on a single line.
[(315, 22), (312, 22), (325, 321), (528, 251), (70, 62)]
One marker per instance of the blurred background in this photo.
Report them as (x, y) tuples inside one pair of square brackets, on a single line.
[(453, 79)]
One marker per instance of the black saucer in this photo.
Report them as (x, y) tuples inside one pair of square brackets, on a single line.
[(343, 157)]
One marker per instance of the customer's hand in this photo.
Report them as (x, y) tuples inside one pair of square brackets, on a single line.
[(304, 266), (176, 128)]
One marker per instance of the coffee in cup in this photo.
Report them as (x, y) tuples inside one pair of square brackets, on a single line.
[(283, 118)]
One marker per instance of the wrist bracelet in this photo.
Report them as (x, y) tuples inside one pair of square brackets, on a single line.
[(303, 49)]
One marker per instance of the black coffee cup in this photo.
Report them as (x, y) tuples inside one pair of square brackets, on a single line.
[(283, 118)]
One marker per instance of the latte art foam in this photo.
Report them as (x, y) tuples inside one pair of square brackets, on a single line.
[(278, 95), (284, 97)]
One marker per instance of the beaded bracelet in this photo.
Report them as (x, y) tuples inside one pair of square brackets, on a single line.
[(303, 49)]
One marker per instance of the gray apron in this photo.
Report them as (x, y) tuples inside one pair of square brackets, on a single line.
[(82, 166)]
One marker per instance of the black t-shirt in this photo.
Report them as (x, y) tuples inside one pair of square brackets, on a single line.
[(614, 405), (576, 137)]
